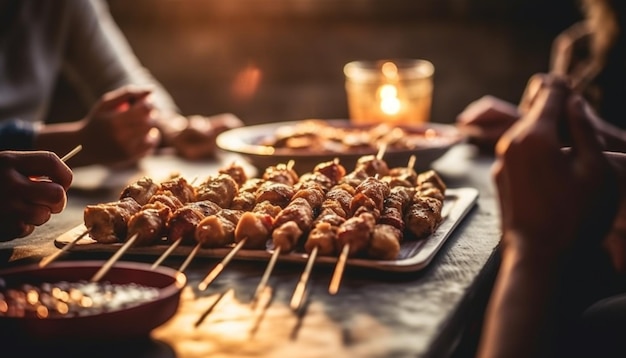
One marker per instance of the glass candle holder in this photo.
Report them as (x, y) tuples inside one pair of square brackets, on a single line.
[(392, 91)]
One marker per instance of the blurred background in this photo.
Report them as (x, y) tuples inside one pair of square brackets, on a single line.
[(278, 60)]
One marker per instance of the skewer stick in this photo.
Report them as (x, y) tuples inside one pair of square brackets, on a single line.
[(220, 266), (411, 162), (107, 265), (381, 151), (298, 293), (266, 275), (48, 259), (167, 252), (341, 265), (72, 153), (192, 254)]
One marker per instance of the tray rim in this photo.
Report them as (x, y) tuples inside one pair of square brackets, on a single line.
[(462, 200)]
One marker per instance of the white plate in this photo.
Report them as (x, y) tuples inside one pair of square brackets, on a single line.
[(247, 141), (414, 254)]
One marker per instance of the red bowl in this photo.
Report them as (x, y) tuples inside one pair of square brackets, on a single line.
[(123, 323)]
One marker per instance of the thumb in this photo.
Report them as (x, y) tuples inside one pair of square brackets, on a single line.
[(585, 144), (547, 108)]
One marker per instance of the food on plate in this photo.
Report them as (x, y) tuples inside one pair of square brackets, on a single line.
[(369, 210), (321, 136), (296, 219), (272, 195)]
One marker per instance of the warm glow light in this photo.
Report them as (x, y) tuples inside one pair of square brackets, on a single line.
[(430, 133), (62, 308), (390, 70), (32, 297), (42, 311), (246, 82), (388, 91), (392, 91), (389, 102)]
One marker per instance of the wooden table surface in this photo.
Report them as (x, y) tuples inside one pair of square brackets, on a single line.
[(374, 314)]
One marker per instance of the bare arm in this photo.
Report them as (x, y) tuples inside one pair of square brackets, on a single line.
[(548, 214)]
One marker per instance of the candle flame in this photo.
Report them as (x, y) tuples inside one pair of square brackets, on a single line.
[(389, 101)]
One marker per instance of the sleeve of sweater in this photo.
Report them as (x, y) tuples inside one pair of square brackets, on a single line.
[(17, 135), (99, 58)]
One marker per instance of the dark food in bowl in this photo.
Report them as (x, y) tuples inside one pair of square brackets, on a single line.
[(119, 321), (71, 299)]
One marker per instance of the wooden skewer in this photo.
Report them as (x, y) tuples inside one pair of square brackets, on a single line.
[(290, 164), (48, 259), (192, 254), (298, 293), (343, 257), (72, 153), (266, 275), (411, 162), (270, 265), (167, 252), (220, 266), (339, 268), (381, 151), (107, 266)]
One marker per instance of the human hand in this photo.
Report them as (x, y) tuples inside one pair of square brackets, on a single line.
[(553, 200), (33, 186), (119, 129), (485, 120), (197, 140)]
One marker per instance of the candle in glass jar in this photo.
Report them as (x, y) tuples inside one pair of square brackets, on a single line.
[(389, 91)]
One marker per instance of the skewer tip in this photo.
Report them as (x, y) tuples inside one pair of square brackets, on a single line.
[(72, 153)]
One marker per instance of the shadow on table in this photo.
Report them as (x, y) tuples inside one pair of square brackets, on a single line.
[(136, 348)]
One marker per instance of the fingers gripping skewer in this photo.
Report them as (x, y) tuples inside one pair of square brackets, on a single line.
[(220, 266), (107, 265), (48, 259), (298, 293)]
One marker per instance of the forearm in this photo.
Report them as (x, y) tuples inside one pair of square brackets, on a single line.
[(518, 318)]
